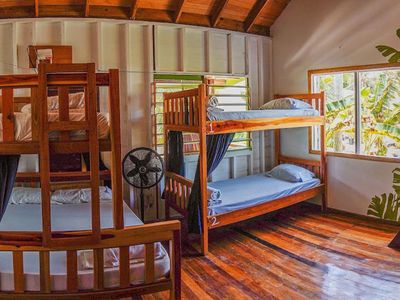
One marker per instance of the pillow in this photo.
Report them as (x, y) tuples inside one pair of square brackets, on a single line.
[(292, 173), (75, 196), (286, 103), (76, 101), (111, 256), (70, 196), (23, 195), (104, 192)]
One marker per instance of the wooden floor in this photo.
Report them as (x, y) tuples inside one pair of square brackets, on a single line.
[(299, 253)]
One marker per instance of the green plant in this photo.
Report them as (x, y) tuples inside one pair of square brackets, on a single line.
[(394, 55), (387, 207)]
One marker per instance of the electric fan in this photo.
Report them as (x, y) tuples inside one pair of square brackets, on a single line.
[(142, 168)]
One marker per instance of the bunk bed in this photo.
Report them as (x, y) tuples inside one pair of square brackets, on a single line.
[(243, 198), (50, 250)]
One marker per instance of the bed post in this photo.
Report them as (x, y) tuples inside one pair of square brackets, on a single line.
[(324, 173), (115, 135), (277, 144), (203, 167), (166, 132)]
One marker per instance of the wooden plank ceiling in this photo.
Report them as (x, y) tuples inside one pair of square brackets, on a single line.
[(253, 16)]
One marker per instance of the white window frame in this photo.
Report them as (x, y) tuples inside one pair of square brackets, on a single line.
[(356, 70)]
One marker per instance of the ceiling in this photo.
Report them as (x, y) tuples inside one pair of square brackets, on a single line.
[(253, 16)]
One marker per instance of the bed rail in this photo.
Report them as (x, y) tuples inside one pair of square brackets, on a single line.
[(182, 109), (186, 111), (11, 86), (147, 235), (177, 192), (311, 165)]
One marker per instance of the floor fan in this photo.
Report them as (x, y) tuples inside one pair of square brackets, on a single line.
[(143, 168)]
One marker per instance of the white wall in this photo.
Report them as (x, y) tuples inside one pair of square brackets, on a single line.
[(322, 34), (128, 45)]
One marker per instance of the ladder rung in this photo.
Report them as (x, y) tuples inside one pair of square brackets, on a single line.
[(68, 125)]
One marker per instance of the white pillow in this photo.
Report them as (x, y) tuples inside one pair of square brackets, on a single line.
[(70, 196), (286, 103), (76, 101), (105, 194), (111, 256), (23, 195), (291, 173)]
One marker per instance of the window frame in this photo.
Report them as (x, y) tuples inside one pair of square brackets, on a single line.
[(355, 70), (199, 78)]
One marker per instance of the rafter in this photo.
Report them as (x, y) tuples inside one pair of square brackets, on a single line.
[(178, 11), (87, 8), (217, 12), (134, 8), (254, 14), (36, 8)]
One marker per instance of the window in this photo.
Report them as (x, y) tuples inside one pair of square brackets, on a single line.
[(232, 93), (362, 110)]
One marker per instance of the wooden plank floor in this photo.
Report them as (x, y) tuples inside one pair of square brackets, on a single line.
[(299, 253)]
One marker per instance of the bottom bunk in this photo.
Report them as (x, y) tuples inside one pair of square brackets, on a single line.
[(229, 201), (74, 217), (126, 262)]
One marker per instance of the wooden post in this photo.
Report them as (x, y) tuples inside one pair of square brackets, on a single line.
[(203, 167), (277, 142), (175, 254), (115, 135), (44, 156), (166, 132)]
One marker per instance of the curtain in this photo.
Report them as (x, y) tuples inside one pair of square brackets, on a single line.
[(217, 145), (175, 160), (8, 172)]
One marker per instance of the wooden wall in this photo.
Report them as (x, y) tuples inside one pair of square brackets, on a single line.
[(129, 46)]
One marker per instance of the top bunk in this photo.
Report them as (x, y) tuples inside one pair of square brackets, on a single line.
[(190, 111), (23, 109)]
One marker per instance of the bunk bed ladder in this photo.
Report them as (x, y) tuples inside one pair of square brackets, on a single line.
[(65, 126)]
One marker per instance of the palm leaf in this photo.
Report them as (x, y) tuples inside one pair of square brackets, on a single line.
[(389, 51), (396, 182), (377, 206), (392, 208)]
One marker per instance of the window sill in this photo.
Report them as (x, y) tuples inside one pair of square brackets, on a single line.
[(359, 156)]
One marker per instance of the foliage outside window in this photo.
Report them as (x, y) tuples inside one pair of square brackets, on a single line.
[(232, 93), (362, 111)]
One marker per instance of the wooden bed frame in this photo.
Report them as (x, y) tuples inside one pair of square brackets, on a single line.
[(63, 77), (186, 111)]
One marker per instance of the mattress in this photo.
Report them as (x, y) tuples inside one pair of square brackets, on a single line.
[(67, 217), (23, 125), (252, 190), (217, 115)]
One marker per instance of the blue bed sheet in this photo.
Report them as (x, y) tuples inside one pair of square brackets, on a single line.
[(251, 190)]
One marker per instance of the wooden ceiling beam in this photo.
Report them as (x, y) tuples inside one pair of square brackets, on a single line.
[(254, 14), (178, 12), (87, 8), (217, 12), (134, 7), (36, 8)]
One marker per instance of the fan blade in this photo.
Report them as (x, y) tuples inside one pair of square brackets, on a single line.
[(147, 159), (134, 159), (153, 169), (145, 180), (133, 173)]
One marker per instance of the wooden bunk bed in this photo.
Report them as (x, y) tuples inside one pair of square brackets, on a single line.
[(100, 236), (186, 111)]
